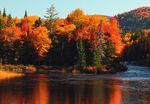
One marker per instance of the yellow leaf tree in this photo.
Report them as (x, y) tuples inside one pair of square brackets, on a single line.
[(38, 37)]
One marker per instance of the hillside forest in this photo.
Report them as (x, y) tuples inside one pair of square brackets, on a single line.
[(135, 26)]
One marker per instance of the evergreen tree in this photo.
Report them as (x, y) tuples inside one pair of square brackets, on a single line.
[(96, 61), (9, 16), (25, 14), (0, 13), (51, 17), (82, 57), (38, 22), (1, 23), (109, 52), (51, 13), (10, 21), (4, 13), (98, 50)]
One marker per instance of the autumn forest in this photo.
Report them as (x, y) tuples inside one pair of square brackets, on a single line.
[(78, 52), (86, 41)]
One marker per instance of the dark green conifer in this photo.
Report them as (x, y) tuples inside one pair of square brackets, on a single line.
[(4, 13), (96, 57), (9, 16), (82, 56), (26, 14), (0, 13), (38, 22)]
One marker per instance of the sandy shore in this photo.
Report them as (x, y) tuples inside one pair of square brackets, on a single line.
[(6, 75)]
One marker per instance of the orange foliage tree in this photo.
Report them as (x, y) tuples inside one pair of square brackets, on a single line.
[(77, 17), (63, 28), (113, 29), (9, 36), (38, 37), (28, 22)]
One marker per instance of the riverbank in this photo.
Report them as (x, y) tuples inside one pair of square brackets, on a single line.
[(6, 75), (30, 69), (104, 69)]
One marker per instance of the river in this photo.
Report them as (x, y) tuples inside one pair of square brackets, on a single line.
[(130, 87)]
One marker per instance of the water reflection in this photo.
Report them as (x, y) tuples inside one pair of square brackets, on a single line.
[(116, 96), (43, 89), (6, 75), (121, 88), (37, 93)]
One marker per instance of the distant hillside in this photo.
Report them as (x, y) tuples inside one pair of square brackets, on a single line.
[(135, 20)]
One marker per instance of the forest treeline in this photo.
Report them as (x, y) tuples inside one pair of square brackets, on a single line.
[(79, 39)]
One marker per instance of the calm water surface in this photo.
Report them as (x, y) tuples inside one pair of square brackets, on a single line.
[(131, 87)]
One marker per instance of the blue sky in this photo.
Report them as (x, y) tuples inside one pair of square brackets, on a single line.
[(39, 7)]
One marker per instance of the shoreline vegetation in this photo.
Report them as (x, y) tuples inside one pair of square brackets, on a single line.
[(43, 69)]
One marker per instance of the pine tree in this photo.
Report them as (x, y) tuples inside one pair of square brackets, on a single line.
[(38, 22), (9, 16), (82, 57), (0, 13), (109, 52), (51, 13), (25, 14), (10, 21), (1, 23), (96, 57), (4, 13), (51, 17), (98, 49)]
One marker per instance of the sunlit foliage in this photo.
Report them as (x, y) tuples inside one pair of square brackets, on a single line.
[(79, 39), (39, 40), (63, 27)]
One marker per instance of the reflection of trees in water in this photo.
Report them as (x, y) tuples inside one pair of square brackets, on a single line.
[(86, 93), (38, 90), (25, 93), (10, 93), (116, 97), (40, 93), (6, 75)]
